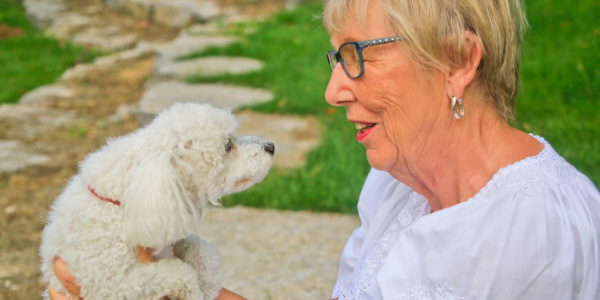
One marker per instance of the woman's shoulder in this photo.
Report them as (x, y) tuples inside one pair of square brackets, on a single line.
[(538, 236), (544, 188), (542, 201), (534, 174), (383, 192)]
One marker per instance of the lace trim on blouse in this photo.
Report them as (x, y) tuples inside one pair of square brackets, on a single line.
[(546, 168), (441, 291), (414, 209)]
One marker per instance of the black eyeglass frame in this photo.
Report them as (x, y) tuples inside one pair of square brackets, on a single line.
[(359, 46)]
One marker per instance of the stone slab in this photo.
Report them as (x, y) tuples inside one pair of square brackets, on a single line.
[(46, 93), (41, 13), (207, 66), (186, 44), (29, 122), (181, 13), (140, 9), (103, 63), (15, 156), (49, 117), (211, 28), (105, 42), (162, 95), (293, 136), (268, 254), (64, 26)]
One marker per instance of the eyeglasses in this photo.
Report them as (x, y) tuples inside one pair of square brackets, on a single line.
[(350, 55)]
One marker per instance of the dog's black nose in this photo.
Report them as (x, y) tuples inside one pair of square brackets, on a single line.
[(270, 148)]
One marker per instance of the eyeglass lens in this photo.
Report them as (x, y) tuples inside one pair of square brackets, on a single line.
[(332, 59), (349, 59)]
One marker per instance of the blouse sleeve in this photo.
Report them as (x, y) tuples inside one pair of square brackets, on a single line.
[(380, 197), (353, 246)]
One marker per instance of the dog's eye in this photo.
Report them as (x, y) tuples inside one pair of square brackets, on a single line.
[(229, 145)]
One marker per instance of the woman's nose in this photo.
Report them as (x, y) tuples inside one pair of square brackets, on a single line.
[(339, 91)]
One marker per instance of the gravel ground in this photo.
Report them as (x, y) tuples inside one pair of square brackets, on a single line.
[(268, 254)]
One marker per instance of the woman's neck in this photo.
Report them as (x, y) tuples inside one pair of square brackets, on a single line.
[(463, 157)]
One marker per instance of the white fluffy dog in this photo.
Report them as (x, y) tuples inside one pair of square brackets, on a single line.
[(150, 189)]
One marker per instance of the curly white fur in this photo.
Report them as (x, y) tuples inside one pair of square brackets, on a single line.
[(163, 175)]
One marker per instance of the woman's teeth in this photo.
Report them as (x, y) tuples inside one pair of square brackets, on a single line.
[(360, 126)]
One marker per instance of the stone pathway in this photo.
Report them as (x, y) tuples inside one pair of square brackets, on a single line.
[(270, 254), (266, 254)]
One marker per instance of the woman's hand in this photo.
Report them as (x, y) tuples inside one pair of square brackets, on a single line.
[(68, 281), (61, 270), (225, 294)]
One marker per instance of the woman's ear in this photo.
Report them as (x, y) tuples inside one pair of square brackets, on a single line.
[(462, 72), (157, 210)]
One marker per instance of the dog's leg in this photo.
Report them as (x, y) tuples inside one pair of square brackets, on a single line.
[(204, 258), (167, 277)]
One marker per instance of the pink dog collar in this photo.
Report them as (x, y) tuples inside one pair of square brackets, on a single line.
[(117, 203)]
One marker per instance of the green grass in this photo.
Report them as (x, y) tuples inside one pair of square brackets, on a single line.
[(292, 45), (559, 98), (560, 95), (31, 59)]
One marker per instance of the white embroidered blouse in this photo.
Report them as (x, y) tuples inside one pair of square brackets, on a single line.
[(533, 232)]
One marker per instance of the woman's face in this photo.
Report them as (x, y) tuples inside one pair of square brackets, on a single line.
[(401, 107)]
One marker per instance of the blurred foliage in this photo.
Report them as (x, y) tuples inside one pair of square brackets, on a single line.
[(558, 99), (292, 45), (560, 72), (30, 59)]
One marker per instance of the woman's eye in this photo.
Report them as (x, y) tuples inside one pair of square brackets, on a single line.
[(229, 145)]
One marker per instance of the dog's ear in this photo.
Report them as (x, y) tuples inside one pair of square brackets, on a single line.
[(158, 209)]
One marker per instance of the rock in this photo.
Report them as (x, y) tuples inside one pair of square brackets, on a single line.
[(36, 114), (80, 71), (173, 13), (124, 112), (185, 45), (210, 28), (293, 136), (47, 93), (29, 122), (63, 27), (103, 63), (103, 41), (207, 66), (291, 4), (41, 13), (268, 254), (181, 13), (111, 3), (162, 95), (14, 156), (138, 52)]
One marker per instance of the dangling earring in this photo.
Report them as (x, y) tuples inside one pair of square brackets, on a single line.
[(460, 113)]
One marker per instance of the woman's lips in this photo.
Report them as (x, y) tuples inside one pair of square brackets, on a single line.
[(364, 129)]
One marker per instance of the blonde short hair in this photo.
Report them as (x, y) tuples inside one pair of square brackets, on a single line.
[(430, 28)]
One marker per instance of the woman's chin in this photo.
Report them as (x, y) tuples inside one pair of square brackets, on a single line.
[(380, 160)]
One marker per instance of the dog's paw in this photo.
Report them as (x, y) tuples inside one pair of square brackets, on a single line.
[(205, 260)]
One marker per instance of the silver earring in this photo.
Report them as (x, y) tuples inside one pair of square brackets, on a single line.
[(460, 112)]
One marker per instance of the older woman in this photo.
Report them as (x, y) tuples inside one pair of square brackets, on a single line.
[(459, 205)]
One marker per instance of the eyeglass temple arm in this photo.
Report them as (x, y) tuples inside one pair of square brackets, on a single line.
[(374, 42)]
